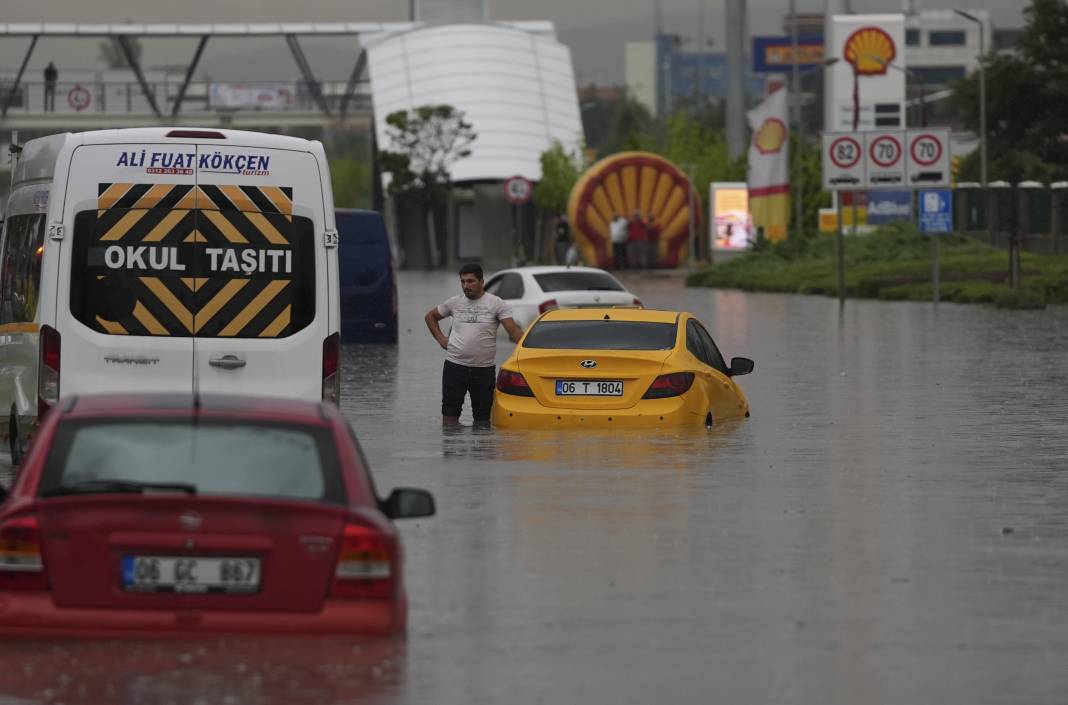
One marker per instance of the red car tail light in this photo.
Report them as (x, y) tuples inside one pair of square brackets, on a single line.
[(513, 383), (48, 373), (671, 385), (331, 368), (21, 567), (364, 568), (549, 305)]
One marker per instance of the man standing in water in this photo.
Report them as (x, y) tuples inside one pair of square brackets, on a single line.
[(471, 346)]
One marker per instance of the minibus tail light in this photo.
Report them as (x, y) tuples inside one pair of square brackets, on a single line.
[(331, 368), (48, 374)]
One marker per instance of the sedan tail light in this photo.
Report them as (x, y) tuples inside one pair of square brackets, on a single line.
[(513, 383), (364, 567), (331, 368), (48, 374), (549, 305), (671, 385), (637, 302), (21, 567)]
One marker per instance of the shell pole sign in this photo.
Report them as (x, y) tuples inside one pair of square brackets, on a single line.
[(629, 183), (870, 51)]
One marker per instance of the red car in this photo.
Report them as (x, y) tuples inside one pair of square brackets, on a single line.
[(155, 515)]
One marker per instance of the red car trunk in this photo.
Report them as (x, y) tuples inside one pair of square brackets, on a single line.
[(90, 543)]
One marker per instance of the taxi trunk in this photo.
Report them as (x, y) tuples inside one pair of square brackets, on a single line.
[(204, 553), (591, 379)]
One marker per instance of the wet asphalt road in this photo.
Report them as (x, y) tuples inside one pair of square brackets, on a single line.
[(890, 526)]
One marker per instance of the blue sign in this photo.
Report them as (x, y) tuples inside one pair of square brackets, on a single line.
[(936, 211), (776, 54), (889, 206)]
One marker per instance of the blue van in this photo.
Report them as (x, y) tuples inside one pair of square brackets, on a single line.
[(368, 279)]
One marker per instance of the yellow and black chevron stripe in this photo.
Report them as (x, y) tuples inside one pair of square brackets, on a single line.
[(180, 284)]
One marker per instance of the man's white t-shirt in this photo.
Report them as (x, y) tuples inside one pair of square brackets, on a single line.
[(618, 228), (473, 338)]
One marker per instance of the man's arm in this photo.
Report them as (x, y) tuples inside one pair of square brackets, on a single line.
[(432, 317), (514, 332)]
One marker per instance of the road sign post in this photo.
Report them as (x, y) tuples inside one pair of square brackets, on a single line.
[(517, 190), (936, 216)]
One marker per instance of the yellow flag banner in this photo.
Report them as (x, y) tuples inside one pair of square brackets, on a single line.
[(769, 166)]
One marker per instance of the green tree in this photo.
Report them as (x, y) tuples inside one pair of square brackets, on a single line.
[(1027, 95), (426, 142), (351, 180), (631, 127), (111, 53), (559, 172)]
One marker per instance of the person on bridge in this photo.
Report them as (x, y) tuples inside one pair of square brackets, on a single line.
[(471, 346), (51, 75)]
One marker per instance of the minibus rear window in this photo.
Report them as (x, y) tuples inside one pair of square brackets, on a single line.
[(192, 272), (20, 268)]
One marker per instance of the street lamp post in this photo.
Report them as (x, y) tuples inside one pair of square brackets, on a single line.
[(799, 127), (982, 112)]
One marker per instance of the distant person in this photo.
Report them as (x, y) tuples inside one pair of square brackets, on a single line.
[(618, 231), (573, 258), (51, 75), (636, 240), (470, 347), (563, 239), (652, 242)]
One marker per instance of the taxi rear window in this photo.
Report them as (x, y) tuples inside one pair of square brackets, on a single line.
[(207, 456), (184, 265), (601, 335)]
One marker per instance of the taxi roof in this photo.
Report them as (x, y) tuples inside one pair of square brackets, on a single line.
[(649, 315)]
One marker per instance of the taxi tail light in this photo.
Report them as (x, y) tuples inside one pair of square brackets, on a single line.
[(513, 383), (332, 368), (48, 374), (364, 566), (21, 567), (671, 385), (549, 305)]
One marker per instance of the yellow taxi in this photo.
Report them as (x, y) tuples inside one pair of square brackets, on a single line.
[(617, 367)]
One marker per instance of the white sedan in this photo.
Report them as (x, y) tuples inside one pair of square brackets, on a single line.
[(531, 291)]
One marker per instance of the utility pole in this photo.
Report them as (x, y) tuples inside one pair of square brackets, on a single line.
[(737, 35), (699, 78), (795, 109)]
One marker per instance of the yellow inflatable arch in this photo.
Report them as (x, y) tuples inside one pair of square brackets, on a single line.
[(622, 184)]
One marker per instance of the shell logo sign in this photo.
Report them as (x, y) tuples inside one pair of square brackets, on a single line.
[(623, 184), (770, 137), (870, 50)]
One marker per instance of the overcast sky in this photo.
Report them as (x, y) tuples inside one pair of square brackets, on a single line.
[(596, 30)]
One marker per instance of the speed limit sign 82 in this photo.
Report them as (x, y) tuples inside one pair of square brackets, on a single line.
[(843, 161)]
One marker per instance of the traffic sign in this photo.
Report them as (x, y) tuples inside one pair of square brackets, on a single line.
[(927, 159), (843, 160), (518, 189), (936, 211), (885, 153)]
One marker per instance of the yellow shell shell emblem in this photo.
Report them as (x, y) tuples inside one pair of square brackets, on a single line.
[(630, 182), (770, 137), (870, 50)]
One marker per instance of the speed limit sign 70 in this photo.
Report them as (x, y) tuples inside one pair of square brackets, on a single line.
[(886, 158), (843, 161), (927, 158)]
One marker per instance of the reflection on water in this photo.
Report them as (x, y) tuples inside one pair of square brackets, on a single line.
[(186, 672)]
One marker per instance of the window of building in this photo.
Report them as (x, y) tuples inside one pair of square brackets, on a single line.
[(912, 37), (947, 38)]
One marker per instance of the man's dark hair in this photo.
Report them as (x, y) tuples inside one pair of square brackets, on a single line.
[(472, 268)]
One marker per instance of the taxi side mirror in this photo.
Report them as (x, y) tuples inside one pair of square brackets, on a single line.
[(408, 503), (740, 366)]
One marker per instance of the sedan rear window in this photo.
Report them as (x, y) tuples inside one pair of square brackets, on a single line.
[(206, 457), (577, 281), (601, 335)]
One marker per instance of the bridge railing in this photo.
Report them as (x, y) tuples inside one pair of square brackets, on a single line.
[(128, 97)]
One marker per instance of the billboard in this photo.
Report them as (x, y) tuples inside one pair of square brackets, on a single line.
[(889, 206), (776, 54), (732, 228), (865, 88)]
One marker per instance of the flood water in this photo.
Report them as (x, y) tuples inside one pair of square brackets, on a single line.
[(890, 526)]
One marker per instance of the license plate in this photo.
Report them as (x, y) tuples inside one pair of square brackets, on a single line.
[(588, 388), (190, 574)]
